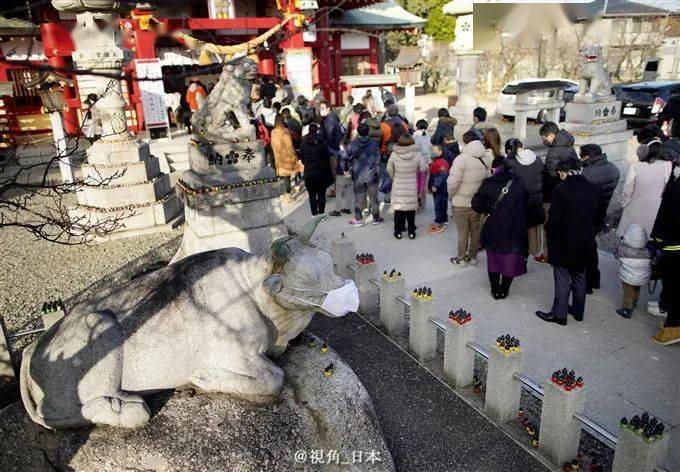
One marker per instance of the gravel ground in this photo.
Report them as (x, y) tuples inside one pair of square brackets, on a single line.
[(33, 271)]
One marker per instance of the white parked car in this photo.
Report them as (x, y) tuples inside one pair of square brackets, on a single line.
[(506, 99)]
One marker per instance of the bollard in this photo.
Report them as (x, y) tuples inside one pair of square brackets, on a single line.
[(633, 452), (342, 252), (560, 430), (422, 336), (459, 359), (368, 293), (503, 390), (392, 315), (49, 318), (6, 367)]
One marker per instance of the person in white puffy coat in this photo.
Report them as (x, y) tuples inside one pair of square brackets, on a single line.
[(636, 266)]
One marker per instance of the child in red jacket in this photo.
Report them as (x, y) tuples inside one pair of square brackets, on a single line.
[(439, 172)]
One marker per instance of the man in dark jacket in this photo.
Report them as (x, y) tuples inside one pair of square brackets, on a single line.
[(318, 176), (561, 147), (598, 170), (334, 134), (445, 125), (364, 160), (576, 209), (267, 89), (450, 148)]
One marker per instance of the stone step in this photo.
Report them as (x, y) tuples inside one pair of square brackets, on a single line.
[(160, 212), (125, 195)]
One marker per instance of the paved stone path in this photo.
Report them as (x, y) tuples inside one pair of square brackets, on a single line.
[(624, 370)]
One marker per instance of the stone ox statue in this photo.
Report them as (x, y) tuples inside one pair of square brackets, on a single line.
[(211, 320), (595, 79)]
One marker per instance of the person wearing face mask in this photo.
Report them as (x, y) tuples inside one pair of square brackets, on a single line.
[(576, 210)]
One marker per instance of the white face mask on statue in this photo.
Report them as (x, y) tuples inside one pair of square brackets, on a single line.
[(337, 302)]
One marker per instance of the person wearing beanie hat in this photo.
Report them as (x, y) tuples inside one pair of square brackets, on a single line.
[(363, 156), (598, 169)]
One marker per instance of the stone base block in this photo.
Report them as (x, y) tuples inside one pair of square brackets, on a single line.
[(593, 113), (254, 240), (634, 453), (226, 196), (586, 131), (159, 213), (135, 173), (119, 196), (117, 152), (50, 318), (226, 157), (208, 221), (196, 181)]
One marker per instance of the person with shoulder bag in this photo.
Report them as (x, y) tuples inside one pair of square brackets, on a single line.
[(503, 198)]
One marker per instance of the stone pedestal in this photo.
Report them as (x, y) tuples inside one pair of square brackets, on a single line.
[(560, 430), (368, 292), (597, 120), (459, 359), (392, 315), (634, 453), (6, 367), (124, 180), (468, 62), (503, 391), (343, 251), (422, 340), (231, 199)]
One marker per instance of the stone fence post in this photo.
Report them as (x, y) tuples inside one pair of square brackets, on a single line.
[(343, 250), (392, 314), (459, 359), (560, 430), (503, 390), (422, 338), (49, 318), (6, 367), (633, 452), (368, 292)]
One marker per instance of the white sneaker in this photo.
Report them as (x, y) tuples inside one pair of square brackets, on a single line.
[(458, 262), (472, 262), (654, 310)]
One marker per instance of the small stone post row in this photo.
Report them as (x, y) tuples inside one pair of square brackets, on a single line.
[(422, 339), (459, 359), (343, 251), (560, 430), (503, 390), (392, 313), (634, 452), (6, 367)]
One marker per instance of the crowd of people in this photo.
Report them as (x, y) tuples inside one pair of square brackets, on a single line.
[(501, 197)]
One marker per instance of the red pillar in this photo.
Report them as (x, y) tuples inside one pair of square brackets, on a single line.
[(324, 41), (58, 47), (294, 40)]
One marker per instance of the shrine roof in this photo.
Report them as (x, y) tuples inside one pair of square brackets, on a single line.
[(379, 16), (620, 8)]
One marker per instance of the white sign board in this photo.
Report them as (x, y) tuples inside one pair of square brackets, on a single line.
[(152, 92), (299, 71)]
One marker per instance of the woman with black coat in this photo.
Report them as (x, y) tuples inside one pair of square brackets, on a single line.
[(526, 165), (318, 175), (503, 197)]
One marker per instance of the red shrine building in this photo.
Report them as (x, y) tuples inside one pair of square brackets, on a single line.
[(339, 47)]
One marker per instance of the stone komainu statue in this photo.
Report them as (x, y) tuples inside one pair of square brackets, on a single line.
[(595, 79), (224, 115), (225, 111), (210, 320)]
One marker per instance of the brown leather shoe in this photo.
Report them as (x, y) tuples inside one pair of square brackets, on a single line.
[(667, 336)]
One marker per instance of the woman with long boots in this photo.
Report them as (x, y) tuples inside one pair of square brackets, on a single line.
[(503, 197)]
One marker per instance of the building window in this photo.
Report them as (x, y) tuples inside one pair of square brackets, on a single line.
[(636, 25), (356, 65)]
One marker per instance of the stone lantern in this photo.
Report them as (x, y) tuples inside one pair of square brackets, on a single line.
[(409, 64), (136, 189)]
